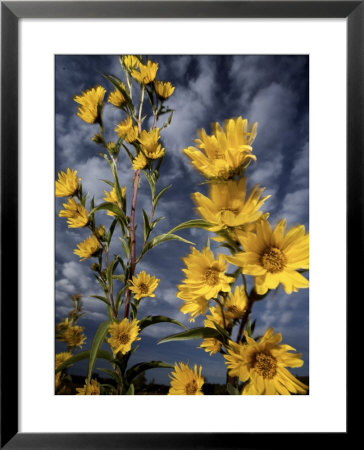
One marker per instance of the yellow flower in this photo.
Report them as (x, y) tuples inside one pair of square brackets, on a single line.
[(73, 336), (112, 197), (163, 89), (76, 214), (227, 205), (192, 305), (212, 345), (126, 130), (235, 305), (131, 62), (205, 276), (67, 183), (263, 365), (122, 335), (146, 73), (60, 359), (92, 389), (91, 103), (143, 285), (274, 257), (227, 152), (149, 141), (139, 162), (185, 381), (116, 98), (87, 248)]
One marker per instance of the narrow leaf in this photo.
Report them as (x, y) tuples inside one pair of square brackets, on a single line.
[(102, 354), (163, 238), (151, 320), (195, 223), (137, 369), (159, 195), (194, 333), (95, 346)]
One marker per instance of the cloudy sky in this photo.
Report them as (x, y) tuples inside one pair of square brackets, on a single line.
[(270, 90)]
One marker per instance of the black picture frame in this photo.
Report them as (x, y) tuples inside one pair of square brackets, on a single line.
[(11, 12)]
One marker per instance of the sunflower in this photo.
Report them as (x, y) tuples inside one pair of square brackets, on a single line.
[(139, 162), (91, 104), (143, 285), (67, 183), (205, 276), (227, 205), (163, 89), (122, 335), (263, 365), (273, 256), (88, 247), (185, 381), (227, 152), (73, 336), (235, 305), (112, 197), (131, 62), (212, 345), (146, 73), (76, 214), (89, 389), (192, 305), (149, 141), (60, 359), (126, 130), (116, 97)]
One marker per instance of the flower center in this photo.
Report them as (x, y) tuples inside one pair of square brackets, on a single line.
[(234, 310), (124, 338), (211, 277), (273, 260), (143, 288), (265, 365), (191, 387)]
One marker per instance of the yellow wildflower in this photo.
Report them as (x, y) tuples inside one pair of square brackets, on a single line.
[(131, 62), (273, 256), (112, 197), (122, 335), (139, 162), (67, 183), (163, 89), (87, 248), (116, 97), (143, 285), (126, 130), (91, 103), (185, 381), (149, 141), (76, 214), (92, 389), (263, 365), (146, 73)]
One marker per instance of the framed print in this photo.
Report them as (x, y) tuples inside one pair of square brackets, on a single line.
[(129, 286)]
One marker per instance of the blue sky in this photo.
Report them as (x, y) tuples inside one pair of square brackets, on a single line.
[(271, 90)]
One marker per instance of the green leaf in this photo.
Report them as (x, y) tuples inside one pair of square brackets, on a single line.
[(110, 183), (103, 299), (151, 320), (151, 180), (146, 230), (130, 391), (194, 333), (117, 83), (221, 330), (232, 390), (159, 195), (111, 373), (108, 206), (95, 346), (125, 247), (110, 271), (195, 223), (154, 223), (137, 369), (102, 354), (111, 231), (163, 238)]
